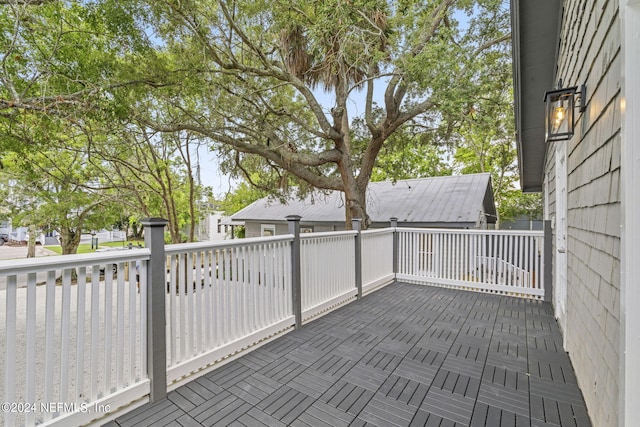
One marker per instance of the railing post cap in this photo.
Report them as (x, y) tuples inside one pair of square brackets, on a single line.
[(293, 217), (154, 222), (393, 218)]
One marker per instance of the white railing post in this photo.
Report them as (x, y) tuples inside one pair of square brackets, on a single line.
[(547, 262), (357, 226), (394, 225), (296, 294), (10, 348), (156, 301)]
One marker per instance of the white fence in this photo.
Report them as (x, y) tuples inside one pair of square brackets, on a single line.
[(76, 328), (327, 271), (223, 298), (503, 262), (74, 338), (377, 258)]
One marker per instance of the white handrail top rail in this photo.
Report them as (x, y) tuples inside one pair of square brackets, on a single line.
[(378, 230), (187, 247), (328, 234), (30, 265), (539, 233)]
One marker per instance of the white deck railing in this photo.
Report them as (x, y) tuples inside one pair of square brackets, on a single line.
[(82, 341), (506, 262), (74, 339), (327, 271), (224, 297), (377, 258)]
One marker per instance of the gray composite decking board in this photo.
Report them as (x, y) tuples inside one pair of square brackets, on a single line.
[(406, 355)]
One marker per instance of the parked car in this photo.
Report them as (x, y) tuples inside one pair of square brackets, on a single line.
[(114, 267), (4, 238), (103, 268)]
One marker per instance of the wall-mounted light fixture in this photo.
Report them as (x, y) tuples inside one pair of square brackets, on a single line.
[(560, 105)]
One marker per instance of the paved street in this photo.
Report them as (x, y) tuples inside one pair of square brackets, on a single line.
[(18, 252), (15, 252)]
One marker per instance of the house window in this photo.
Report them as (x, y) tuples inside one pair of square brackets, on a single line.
[(267, 230), (307, 229)]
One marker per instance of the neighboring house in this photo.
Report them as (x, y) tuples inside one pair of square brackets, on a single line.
[(464, 201), (5, 227), (21, 234), (590, 182), (216, 227), (522, 222)]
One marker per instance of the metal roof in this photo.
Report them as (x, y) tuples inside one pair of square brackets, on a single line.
[(437, 200), (534, 39)]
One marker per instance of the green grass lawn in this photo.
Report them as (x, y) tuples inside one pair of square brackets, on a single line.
[(85, 248), (120, 244)]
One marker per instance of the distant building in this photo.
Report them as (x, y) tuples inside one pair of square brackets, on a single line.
[(5, 227), (216, 227), (464, 201), (522, 222)]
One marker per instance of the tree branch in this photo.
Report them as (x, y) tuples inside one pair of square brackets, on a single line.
[(269, 70), (295, 163), (25, 2), (490, 43)]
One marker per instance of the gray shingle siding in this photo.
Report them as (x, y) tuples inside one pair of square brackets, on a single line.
[(589, 53)]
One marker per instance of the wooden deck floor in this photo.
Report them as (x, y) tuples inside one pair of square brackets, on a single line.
[(407, 355)]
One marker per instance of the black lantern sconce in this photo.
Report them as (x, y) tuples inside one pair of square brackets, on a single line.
[(560, 105)]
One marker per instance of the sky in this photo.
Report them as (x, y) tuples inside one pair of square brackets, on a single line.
[(210, 173)]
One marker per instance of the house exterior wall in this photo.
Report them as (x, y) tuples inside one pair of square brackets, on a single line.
[(589, 53), (211, 229), (254, 228), (5, 227), (522, 223), (629, 409)]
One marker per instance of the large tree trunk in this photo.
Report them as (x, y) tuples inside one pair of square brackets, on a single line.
[(70, 240), (355, 207), (136, 231), (31, 244), (355, 197)]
